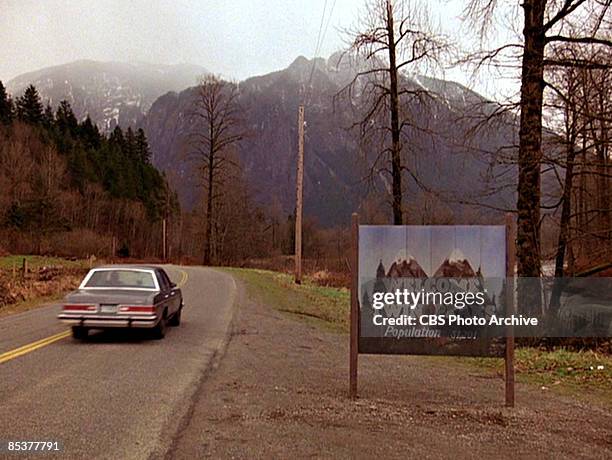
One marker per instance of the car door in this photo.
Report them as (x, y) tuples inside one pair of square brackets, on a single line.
[(164, 289), (174, 300)]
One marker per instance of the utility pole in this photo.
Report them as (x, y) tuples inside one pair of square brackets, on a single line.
[(299, 195), (164, 240), (165, 227)]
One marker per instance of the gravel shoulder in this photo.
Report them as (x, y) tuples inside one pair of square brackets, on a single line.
[(281, 391)]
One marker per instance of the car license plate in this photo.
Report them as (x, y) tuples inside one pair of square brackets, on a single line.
[(108, 308)]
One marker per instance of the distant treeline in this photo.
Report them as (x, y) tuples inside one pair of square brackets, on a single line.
[(68, 189)]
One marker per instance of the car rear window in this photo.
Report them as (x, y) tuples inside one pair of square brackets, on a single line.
[(121, 279)]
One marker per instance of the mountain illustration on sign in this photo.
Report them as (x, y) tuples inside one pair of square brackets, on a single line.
[(406, 266), (455, 265)]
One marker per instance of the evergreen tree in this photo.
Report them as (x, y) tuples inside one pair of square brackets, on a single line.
[(132, 173), (89, 134), (130, 144), (142, 147), (66, 121), (6, 106), (48, 117), (116, 137), (29, 107)]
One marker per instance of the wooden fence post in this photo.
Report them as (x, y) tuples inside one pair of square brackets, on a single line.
[(354, 313), (510, 306)]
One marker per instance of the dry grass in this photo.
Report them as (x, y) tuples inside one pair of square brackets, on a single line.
[(47, 279), (322, 272)]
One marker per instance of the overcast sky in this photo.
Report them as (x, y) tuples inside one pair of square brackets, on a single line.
[(237, 38)]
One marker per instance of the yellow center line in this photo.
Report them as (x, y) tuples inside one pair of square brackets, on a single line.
[(184, 278), (12, 354)]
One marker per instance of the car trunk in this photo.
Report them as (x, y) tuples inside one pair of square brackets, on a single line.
[(108, 300)]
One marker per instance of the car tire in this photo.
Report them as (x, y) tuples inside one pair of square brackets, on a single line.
[(176, 319), (159, 331), (79, 332)]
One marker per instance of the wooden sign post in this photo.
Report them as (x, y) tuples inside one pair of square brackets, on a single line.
[(354, 312), (510, 307)]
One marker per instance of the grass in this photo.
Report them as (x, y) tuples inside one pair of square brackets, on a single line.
[(325, 307), (578, 373), (561, 370), (36, 262)]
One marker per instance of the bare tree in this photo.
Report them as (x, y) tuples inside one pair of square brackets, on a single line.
[(217, 131), (566, 100), (545, 25), (392, 37), (582, 99)]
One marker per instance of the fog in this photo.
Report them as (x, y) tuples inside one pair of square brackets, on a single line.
[(236, 39)]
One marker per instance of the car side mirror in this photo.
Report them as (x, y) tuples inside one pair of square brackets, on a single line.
[(172, 285)]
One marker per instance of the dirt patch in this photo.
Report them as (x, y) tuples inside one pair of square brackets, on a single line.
[(281, 392)]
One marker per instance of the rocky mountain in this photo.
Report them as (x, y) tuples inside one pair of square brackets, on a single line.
[(455, 265), (112, 93), (335, 170), (268, 154)]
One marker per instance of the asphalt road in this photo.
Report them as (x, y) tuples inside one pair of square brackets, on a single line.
[(118, 395)]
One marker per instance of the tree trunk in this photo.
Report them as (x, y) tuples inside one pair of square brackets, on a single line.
[(530, 152), (209, 212), (396, 148)]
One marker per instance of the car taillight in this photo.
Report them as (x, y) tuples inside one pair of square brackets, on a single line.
[(137, 309), (72, 307)]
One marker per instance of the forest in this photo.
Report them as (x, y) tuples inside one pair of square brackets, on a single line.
[(69, 190)]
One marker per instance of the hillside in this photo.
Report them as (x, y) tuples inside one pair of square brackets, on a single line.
[(112, 93), (71, 190)]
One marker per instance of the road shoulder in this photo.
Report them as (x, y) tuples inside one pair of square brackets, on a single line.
[(179, 421)]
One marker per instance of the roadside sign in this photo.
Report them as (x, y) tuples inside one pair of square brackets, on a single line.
[(428, 290)]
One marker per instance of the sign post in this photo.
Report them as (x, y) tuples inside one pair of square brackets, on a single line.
[(510, 262), (354, 313)]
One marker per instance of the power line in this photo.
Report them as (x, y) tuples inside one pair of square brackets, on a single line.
[(316, 51), (331, 12), (320, 40), (318, 44)]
